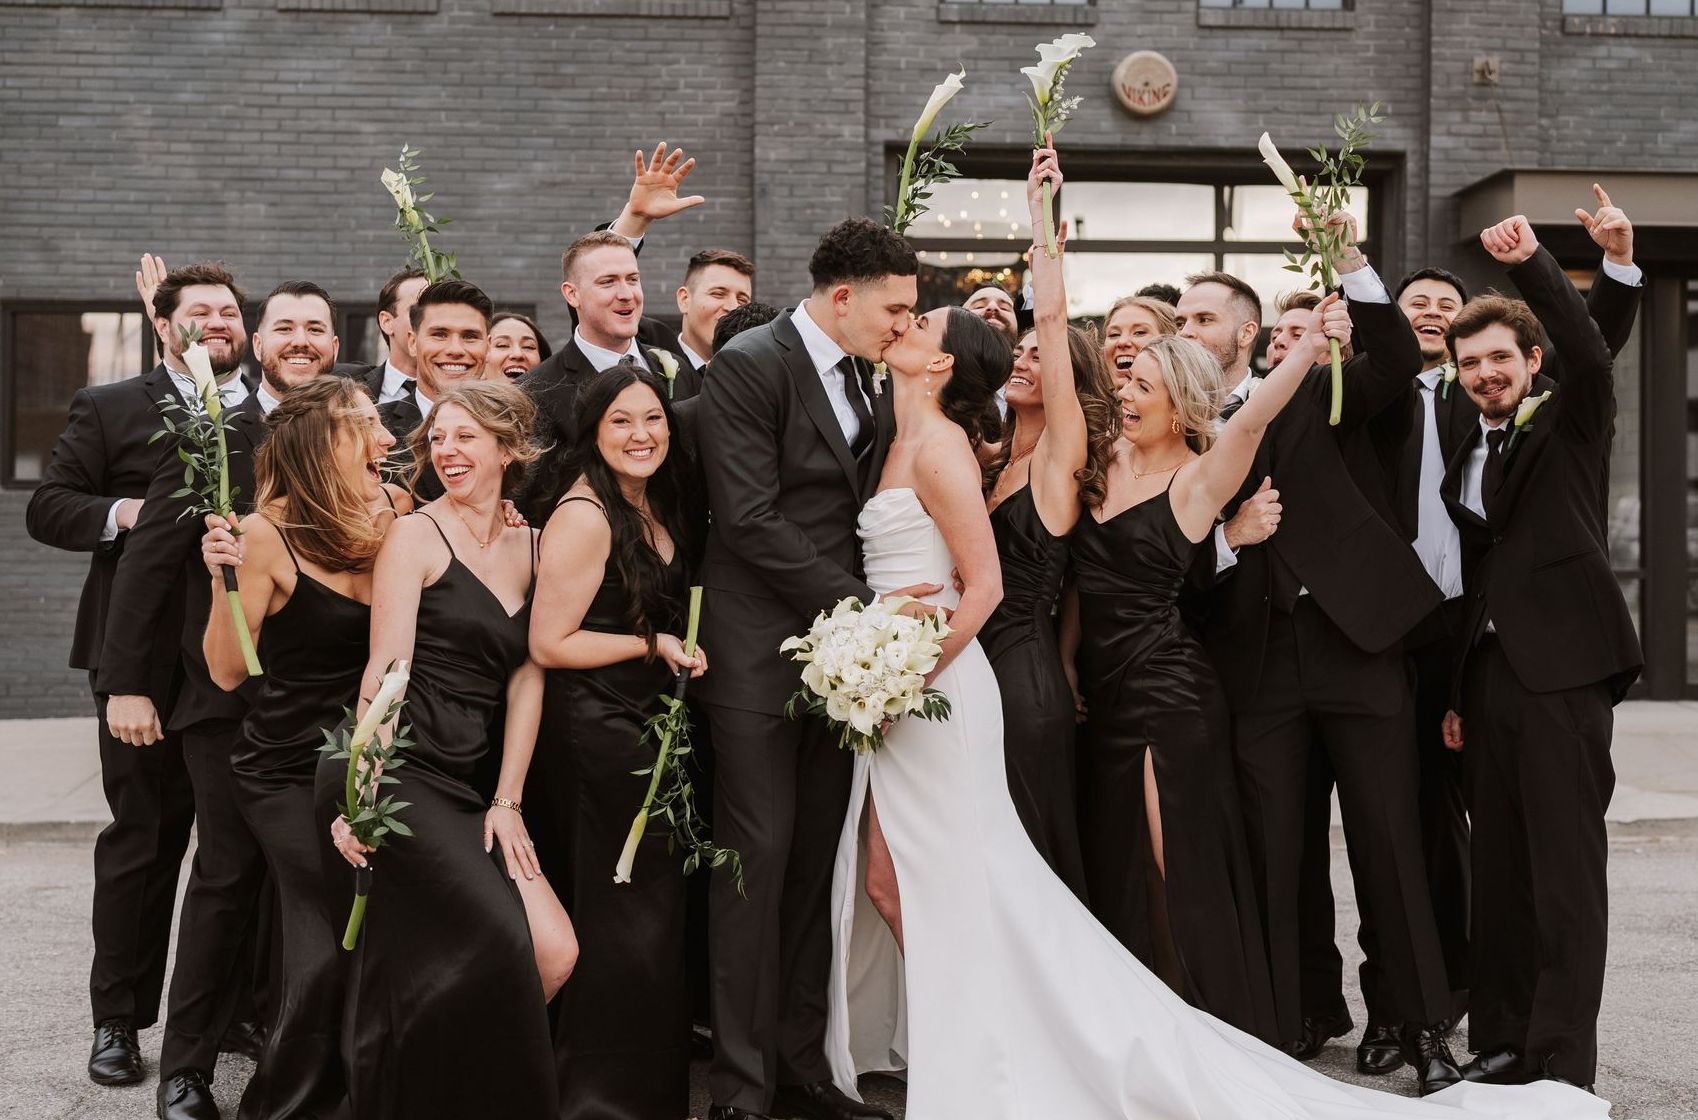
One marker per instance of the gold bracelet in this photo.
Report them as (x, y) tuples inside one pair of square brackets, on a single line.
[(503, 803)]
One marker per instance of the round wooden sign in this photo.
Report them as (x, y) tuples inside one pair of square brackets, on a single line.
[(1146, 83)]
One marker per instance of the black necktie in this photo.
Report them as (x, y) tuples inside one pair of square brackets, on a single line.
[(408, 386), (1492, 478), (852, 389)]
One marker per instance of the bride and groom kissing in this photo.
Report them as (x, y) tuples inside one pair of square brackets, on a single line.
[(897, 916)]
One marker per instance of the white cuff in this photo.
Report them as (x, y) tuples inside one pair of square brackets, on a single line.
[(110, 531), (1630, 274), (636, 242), (1225, 557), (1364, 286)]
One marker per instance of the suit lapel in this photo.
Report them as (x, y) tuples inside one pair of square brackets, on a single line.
[(811, 390), (160, 387), (1451, 488), (1518, 463)]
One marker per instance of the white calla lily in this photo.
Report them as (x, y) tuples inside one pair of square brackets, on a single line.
[(393, 686), (945, 90), (399, 189), (199, 362), (628, 856), (1525, 410), (1281, 169)]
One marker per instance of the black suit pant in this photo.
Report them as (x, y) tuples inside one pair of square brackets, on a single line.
[(1444, 843), (1319, 691), (213, 983), (1539, 778), (136, 862), (781, 789)]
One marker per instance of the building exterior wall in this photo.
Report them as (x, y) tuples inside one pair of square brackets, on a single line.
[(254, 130)]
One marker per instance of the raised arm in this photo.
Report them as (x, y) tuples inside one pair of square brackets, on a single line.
[(1063, 446), (1619, 285), (741, 408), (947, 481), (1202, 488)]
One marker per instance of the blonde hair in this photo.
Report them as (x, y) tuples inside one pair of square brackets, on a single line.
[(324, 516), (1160, 311), (500, 408), (1195, 387)]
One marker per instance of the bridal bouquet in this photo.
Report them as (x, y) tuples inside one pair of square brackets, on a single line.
[(201, 431), (864, 667), (371, 765)]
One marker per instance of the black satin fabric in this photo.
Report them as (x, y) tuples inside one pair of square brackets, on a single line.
[(445, 1016), (314, 650), (623, 1026), (1037, 706), (1147, 683)]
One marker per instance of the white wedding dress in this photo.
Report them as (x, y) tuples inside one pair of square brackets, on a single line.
[(1016, 1004)]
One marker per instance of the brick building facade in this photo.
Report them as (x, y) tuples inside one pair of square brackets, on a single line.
[(254, 130)]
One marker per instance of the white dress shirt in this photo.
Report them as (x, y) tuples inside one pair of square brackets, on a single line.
[(602, 358), (394, 383), (1437, 541), (695, 359), (826, 354), (1474, 470), (1630, 274)]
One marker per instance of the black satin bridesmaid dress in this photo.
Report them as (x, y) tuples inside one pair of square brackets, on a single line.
[(314, 649), (623, 1027), (445, 1016), (1148, 685), (1037, 705)]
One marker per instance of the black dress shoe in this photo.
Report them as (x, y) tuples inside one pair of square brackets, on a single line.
[(1317, 1032), (1549, 1076), (246, 1039), (1502, 1066), (115, 1058), (1380, 1051), (820, 1100), (726, 1112), (1435, 1066), (185, 1095)]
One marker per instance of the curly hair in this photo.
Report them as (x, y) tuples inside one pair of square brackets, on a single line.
[(1095, 387), (858, 251)]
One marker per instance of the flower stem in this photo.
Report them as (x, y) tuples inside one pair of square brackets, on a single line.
[(900, 224), (357, 916), (1049, 221), (244, 636), (427, 258)]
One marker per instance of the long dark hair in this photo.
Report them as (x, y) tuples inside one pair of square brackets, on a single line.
[(983, 361), (671, 503), (1095, 387)]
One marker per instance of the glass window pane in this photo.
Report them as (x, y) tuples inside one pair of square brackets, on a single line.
[(1582, 7), (1264, 213), (1266, 273), (1139, 211), (986, 209), (1671, 7), (53, 354), (948, 278), (1096, 280), (1625, 7)]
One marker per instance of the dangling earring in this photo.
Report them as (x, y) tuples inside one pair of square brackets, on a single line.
[(1175, 425), (928, 384)]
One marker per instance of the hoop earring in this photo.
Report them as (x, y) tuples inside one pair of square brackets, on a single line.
[(1175, 425)]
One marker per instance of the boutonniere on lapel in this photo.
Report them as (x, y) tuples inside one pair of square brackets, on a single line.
[(668, 369), (880, 372), (1447, 378), (1525, 413)]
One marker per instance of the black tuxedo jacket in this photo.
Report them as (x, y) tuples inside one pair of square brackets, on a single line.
[(785, 493), (161, 586), (1336, 534), (370, 376), (104, 454), (1397, 433), (1537, 565), (401, 417)]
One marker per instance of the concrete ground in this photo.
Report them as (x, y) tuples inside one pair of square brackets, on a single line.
[(51, 806)]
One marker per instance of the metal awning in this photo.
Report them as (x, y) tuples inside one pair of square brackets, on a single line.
[(1666, 201)]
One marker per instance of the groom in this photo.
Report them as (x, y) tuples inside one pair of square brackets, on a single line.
[(793, 435)]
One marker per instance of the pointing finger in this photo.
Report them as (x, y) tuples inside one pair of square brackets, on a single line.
[(1602, 195)]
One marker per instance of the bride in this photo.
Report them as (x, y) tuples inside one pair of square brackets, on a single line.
[(1019, 1005)]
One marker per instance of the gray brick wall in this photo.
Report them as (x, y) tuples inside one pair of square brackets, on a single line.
[(254, 130)]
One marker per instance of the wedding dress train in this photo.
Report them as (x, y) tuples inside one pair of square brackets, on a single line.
[(1019, 1005)]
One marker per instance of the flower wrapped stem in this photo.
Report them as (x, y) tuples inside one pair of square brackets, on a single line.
[(671, 793), (1328, 192), (1051, 109), (202, 444), (372, 762)]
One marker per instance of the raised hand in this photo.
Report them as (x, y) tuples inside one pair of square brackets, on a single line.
[(654, 190), (1511, 241), (1045, 165), (1610, 228), (149, 276), (1341, 224)]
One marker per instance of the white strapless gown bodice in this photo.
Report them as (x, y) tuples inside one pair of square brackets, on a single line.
[(1013, 1002)]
